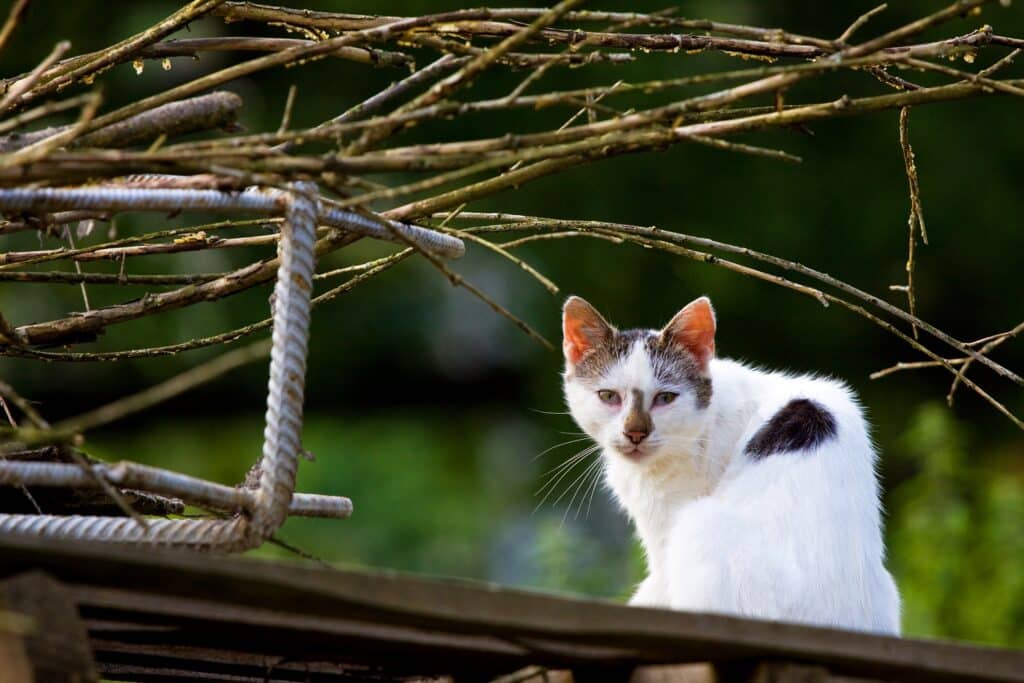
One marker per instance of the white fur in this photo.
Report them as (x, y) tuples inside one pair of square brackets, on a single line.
[(791, 536)]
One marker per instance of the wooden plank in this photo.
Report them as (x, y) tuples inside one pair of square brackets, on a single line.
[(765, 672), (14, 663), (114, 656), (125, 620), (56, 646), (786, 672), (675, 673), (555, 628), (242, 632)]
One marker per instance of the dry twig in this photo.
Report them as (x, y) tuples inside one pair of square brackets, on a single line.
[(448, 172)]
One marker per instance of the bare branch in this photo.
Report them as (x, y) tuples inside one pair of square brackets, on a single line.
[(13, 17)]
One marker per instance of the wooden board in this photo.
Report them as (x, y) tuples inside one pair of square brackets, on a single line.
[(171, 610), (48, 641)]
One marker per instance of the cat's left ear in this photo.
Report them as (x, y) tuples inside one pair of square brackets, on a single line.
[(693, 328)]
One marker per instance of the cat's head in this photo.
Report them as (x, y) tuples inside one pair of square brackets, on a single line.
[(638, 393)]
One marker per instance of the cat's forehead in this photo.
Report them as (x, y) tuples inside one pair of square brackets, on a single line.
[(638, 357), (602, 359)]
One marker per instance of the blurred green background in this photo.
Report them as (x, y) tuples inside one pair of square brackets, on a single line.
[(430, 411)]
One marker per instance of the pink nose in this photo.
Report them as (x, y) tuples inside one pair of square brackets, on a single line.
[(636, 437)]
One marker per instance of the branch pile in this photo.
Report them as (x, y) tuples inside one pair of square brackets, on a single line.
[(140, 146)]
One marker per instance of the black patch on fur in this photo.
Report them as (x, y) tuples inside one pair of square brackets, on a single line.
[(799, 425)]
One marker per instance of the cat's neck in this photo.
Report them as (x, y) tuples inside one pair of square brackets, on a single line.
[(653, 494)]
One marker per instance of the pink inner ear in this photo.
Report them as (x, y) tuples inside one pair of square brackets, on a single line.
[(577, 342), (693, 328), (583, 329)]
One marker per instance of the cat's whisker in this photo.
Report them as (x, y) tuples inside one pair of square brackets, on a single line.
[(578, 456), (577, 485), (559, 445), (550, 412), (593, 490), (574, 486), (592, 472), (552, 490), (568, 467), (552, 485), (586, 451), (583, 479), (555, 473)]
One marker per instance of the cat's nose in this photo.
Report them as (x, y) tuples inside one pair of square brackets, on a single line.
[(636, 437)]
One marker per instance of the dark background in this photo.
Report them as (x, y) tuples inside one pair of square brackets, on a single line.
[(430, 411)]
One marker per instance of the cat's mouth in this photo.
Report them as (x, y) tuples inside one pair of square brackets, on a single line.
[(634, 451)]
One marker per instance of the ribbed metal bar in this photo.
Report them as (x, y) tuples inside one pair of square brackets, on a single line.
[(163, 482), (253, 200), (431, 240), (316, 505), (98, 197), (124, 475), (282, 435)]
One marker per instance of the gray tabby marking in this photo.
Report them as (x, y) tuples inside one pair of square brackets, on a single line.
[(638, 421), (672, 364)]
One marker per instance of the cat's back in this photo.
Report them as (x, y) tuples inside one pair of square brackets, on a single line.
[(780, 413), (792, 529), (804, 450)]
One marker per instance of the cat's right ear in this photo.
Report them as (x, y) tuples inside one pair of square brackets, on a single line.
[(583, 329), (693, 328)]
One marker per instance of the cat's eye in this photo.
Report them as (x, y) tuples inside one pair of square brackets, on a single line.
[(664, 398), (610, 397)]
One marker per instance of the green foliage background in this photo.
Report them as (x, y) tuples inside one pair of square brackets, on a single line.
[(429, 411)]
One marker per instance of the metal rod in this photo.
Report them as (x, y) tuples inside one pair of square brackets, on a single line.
[(252, 200), (274, 495), (164, 482)]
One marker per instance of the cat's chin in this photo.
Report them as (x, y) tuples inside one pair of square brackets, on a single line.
[(633, 453)]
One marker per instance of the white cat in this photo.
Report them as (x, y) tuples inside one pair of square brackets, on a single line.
[(753, 492)]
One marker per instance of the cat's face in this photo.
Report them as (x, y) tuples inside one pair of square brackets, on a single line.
[(638, 393)]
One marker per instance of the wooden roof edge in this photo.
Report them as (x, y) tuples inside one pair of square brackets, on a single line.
[(457, 606)]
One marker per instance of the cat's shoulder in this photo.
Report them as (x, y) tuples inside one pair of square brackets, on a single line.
[(791, 411), (780, 384)]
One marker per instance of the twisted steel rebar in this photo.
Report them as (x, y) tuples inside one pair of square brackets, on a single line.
[(191, 490), (282, 435), (271, 500), (253, 200)]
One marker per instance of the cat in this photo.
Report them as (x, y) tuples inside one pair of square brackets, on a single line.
[(753, 493)]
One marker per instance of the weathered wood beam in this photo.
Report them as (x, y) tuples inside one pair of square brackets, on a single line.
[(54, 643), (416, 625)]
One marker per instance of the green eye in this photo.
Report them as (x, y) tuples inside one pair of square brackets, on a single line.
[(664, 398), (608, 396)]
